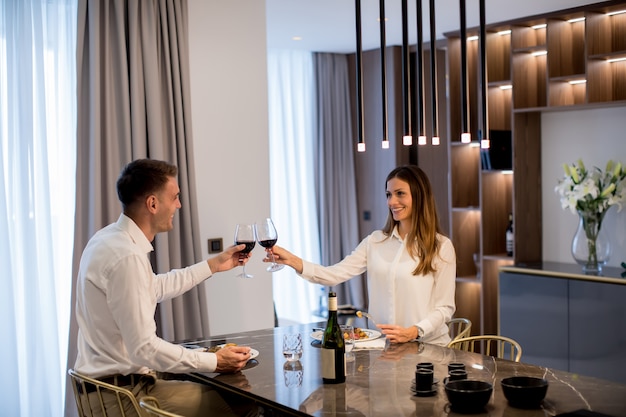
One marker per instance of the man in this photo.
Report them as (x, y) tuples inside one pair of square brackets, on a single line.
[(117, 294)]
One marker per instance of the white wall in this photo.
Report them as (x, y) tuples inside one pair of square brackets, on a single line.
[(230, 131), (595, 136)]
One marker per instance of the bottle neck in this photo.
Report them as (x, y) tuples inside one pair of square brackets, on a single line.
[(332, 304)]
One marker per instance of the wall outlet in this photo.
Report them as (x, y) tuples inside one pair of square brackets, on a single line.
[(215, 245)]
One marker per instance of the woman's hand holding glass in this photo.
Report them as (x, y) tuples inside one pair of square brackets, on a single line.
[(267, 237)]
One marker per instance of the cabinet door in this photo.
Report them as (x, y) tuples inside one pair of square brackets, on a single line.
[(597, 329), (533, 311)]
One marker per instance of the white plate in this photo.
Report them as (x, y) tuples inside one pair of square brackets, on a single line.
[(253, 352), (371, 335)]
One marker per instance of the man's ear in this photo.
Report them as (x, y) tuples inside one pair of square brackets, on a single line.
[(151, 203)]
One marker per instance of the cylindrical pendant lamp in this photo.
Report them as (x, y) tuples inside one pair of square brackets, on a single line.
[(433, 74), (359, 79), (383, 71), (407, 138), (420, 130), (466, 136), (484, 142)]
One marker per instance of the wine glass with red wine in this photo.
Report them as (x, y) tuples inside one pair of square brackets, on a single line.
[(266, 236), (245, 234)]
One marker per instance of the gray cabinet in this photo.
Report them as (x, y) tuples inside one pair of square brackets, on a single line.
[(571, 322)]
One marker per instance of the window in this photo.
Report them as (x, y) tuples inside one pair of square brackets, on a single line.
[(291, 88), (37, 186)]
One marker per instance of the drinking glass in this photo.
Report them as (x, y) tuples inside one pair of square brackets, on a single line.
[(292, 346), (267, 237), (348, 339), (245, 234)]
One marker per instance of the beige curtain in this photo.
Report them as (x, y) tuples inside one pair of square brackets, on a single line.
[(134, 102)]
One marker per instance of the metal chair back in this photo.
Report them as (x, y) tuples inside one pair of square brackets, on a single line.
[(492, 345), (459, 327), (97, 398)]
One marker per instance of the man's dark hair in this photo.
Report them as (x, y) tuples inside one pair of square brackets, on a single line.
[(141, 178)]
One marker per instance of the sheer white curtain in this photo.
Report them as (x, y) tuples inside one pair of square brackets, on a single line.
[(37, 132), (291, 86)]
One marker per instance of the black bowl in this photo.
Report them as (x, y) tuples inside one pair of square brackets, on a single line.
[(468, 396), (524, 391)]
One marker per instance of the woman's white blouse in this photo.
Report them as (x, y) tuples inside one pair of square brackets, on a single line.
[(396, 296)]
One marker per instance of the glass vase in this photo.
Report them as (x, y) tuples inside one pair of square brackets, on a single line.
[(591, 247)]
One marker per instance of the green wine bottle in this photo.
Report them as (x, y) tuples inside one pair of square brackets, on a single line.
[(333, 348)]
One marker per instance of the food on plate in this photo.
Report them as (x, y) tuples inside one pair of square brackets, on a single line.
[(358, 334), (214, 349)]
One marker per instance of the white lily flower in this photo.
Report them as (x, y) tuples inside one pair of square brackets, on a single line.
[(592, 191)]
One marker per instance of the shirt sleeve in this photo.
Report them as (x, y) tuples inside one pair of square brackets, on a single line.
[(351, 266), (178, 281), (132, 294), (444, 291)]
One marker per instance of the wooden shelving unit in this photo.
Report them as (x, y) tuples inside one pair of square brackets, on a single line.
[(556, 61), (606, 41)]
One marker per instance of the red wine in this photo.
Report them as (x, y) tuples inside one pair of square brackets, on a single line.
[(268, 243), (249, 245)]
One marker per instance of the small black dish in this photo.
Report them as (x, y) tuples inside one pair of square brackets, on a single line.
[(524, 391), (428, 393)]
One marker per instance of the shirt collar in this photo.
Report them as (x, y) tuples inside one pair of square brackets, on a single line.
[(136, 234), (396, 234)]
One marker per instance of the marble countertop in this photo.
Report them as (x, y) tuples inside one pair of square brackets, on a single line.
[(378, 381), (611, 275)]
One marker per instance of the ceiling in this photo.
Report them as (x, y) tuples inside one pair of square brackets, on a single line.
[(329, 25)]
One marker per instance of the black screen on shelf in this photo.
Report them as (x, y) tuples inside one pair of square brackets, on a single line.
[(500, 152)]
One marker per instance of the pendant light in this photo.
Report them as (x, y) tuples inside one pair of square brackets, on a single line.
[(484, 142), (466, 136), (407, 138), (419, 74), (359, 79), (433, 74), (383, 71)]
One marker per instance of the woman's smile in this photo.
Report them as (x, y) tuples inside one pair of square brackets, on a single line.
[(397, 210)]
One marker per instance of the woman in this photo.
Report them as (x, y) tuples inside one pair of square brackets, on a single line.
[(411, 266)]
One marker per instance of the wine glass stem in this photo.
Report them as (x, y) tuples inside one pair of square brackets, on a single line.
[(272, 256), (244, 273)]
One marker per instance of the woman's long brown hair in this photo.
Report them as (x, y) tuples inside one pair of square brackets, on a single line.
[(424, 218)]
